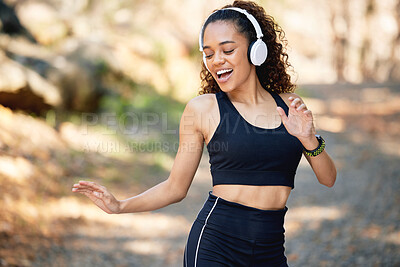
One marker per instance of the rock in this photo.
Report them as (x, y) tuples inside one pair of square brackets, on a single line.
[(22, 88), (72, 70)]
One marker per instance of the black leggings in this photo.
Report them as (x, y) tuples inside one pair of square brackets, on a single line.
[(231, 234)]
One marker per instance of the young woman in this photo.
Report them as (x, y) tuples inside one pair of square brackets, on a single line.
[(255, 129)]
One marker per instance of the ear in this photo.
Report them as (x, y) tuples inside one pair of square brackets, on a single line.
[(205, 61)]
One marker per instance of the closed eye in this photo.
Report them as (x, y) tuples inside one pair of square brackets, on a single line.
[(228, 52)]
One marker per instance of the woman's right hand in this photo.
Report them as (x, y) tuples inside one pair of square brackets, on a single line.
[(99, 195)]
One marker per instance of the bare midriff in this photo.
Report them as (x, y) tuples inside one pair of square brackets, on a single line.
[(261, 197)]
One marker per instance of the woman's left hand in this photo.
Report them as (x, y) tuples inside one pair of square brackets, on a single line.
[(299, 122)]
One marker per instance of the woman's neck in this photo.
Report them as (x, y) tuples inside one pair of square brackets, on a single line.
[(250, 92)]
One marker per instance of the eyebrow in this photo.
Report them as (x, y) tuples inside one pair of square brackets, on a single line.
[(221, 43)]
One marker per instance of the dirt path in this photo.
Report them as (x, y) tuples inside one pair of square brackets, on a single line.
[(355, 223), (145, 239)]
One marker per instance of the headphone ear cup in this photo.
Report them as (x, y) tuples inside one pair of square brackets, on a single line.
[(205, 61), (258, 52)]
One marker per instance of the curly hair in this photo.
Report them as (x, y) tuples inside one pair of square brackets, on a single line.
[(272, 74)]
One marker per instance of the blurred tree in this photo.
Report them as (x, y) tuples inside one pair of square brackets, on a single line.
[(366, 44), (340, 24), (394, 73)]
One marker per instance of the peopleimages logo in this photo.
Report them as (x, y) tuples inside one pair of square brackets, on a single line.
[(128, 123), (145, 123)]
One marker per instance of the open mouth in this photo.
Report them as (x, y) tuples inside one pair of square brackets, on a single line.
[(224, 74)]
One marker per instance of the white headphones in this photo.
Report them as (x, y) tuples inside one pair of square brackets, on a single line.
[(258, 50)]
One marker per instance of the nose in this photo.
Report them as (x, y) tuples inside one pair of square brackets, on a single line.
[(219, 59)]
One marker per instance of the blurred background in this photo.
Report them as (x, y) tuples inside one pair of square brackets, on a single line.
[(94, 89)]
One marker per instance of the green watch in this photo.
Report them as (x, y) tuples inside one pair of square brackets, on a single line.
[(318, 150)]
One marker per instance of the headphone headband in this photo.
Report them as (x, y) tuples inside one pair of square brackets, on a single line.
[(250, 17)]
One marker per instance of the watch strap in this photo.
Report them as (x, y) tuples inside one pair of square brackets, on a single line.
[(318, 150)]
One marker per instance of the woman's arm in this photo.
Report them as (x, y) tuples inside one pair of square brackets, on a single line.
[(322, 165), (170, 191), (299, 123)]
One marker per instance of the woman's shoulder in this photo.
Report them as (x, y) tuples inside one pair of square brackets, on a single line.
[(200, 109), (202, 103)]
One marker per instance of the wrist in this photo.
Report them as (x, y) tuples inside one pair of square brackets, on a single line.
[(310, 143), (120, 206), (317, 150)]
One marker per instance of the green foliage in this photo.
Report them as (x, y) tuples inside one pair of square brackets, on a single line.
[(303, 91), (160, 53), (101, 67)]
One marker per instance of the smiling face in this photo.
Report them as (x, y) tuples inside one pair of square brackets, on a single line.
[(226, 55)]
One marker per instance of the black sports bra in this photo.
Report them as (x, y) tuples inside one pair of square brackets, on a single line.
[(241, 153)]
